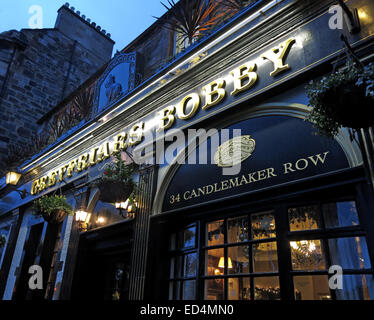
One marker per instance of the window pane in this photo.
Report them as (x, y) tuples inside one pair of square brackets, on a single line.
[(190, 261), (171, 290), (239, 289), (267, 288), (189, 290), (350, 253), (176, 289), (307, 255), (172, 267), (237, 230), (238, 260), (262, 226), (214, 262), (304, 218), (189, 237), (179, 266), (311, 288), (173, 242), (356, 287), (215, 233), (340, 214), (214, 289), (265, 257)]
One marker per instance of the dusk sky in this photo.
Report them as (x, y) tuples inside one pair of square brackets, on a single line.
[(123, 19)]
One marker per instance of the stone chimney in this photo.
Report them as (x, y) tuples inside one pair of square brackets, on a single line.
[(87, 33)]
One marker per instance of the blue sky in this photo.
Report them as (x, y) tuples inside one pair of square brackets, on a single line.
[(123, 19)]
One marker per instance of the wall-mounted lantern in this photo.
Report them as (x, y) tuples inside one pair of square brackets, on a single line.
[(126, 210), (12, 177), (82, 217)]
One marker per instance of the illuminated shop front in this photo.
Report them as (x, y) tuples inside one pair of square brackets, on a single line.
[(299, 203)]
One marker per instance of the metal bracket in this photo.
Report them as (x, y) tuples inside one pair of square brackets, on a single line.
[(351, 17)]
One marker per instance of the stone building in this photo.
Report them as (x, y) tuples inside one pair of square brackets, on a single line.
[(41, 67)]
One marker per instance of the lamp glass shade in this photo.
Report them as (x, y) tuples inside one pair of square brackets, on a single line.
[(12, 177), (221, 263), (81, 216), (122, 205)]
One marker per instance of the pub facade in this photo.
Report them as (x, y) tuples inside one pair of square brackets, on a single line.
[(273, 222)]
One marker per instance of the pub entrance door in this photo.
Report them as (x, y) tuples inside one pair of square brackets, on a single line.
[(103, 266)]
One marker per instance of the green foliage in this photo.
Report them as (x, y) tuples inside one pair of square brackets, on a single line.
[(236, 5), (48, 204), (119, 171), (190, 18), (2, 241), (122, 172), (322, 94)]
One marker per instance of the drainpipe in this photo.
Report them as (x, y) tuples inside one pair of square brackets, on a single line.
[(69, 70), (7, 74)]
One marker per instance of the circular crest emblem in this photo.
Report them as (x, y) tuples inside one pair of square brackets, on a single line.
[(234, 151)]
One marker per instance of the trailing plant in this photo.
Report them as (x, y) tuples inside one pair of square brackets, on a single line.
[(344, 98), (53, 208), (2, 241), (117, 184), (191, 18), (235, 5), (62, 122), (38, 142), (16, 154), (83, 102), (119, 170)]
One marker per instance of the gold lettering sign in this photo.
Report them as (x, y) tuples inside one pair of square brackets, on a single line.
[(243, 78), (277, 56), (234, 151), (250, 178), (89, 159)]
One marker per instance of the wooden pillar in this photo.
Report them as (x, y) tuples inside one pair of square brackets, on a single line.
[(141, 233), (72, 251)]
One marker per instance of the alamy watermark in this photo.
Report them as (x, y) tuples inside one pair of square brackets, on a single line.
[(336, 19), (36, 279), (36, 19), (178, 147), (336, 278)]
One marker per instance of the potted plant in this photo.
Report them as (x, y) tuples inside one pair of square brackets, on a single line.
[(2, 241), (345, 98), (116, 184), (53, 208)]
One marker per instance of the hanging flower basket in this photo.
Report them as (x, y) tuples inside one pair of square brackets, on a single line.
[(54, 209), (115, 191), (116, 184), (343, 99)]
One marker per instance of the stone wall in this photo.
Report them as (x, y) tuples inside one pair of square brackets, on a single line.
[(155, 49), (47, 67)]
